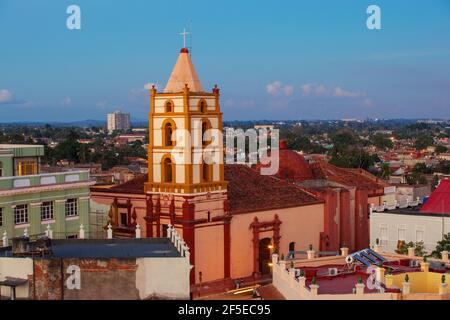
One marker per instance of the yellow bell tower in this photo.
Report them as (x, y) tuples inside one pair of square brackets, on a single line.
[(186, 187), (185, 123)]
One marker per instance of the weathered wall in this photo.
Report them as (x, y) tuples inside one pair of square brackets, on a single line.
[(17, 268), (162, 278), (111, 279)]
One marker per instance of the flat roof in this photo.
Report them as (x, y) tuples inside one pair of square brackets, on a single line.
[(108, 248)]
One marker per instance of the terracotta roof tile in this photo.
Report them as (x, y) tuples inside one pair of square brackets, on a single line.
[(249, 191)]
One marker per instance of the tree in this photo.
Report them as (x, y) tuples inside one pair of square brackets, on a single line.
[(443, 245), (385, 170), (440, 149), (423, 141), (382, 141), (419, 248)]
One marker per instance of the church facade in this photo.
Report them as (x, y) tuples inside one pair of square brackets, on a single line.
[(230, 216)]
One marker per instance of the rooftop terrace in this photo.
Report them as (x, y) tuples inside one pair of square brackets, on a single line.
[(107, 248)]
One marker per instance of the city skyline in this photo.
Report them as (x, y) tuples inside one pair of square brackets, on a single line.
[(295, 67)]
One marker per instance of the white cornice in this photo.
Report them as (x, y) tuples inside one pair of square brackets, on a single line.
[(46, 188)]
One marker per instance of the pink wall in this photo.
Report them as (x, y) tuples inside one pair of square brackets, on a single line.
[(300, 224)]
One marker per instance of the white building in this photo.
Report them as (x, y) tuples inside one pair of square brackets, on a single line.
[(118, 121), (406, 222), (411, 225)]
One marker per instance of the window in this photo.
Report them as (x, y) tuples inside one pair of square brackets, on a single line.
[(26, 167), (420, 234), (167, 167), (401, 233), (21, 214), (202, 106), (205, 128), (72, 236), (169, 106), (71, 208), (123, 219), (47, 210), (164, 230), (291, 250), (1, 217), (383, 235), (168, 129)]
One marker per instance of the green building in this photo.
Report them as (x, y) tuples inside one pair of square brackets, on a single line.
[(31, 202)]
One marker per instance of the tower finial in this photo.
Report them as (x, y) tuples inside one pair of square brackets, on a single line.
[(184, 34)]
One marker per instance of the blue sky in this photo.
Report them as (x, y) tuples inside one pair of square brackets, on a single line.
[(272, 59)]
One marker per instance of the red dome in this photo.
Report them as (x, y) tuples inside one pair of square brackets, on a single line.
[(184, 50), (292, 165)]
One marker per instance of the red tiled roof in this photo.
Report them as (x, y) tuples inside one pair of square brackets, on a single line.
[(134, 186), (439, 201), (292, 165), (249, 191), (349, 177)]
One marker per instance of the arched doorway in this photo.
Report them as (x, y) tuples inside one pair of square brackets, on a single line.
[(264, 255)]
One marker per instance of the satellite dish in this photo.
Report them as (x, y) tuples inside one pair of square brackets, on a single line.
[(349, 259)]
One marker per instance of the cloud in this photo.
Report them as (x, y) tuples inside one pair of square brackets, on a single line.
[(66, 102), (320, 90), (277, 88), (341, 93), (5, 96), (288, 90), (316, 89)]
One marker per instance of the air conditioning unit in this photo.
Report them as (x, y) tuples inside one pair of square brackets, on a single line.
[(414, 264), (332, 271)]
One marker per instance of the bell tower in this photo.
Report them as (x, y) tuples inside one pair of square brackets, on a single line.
[(186, 186), (185, 123)]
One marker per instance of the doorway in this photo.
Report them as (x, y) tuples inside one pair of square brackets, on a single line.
[(264, 255)]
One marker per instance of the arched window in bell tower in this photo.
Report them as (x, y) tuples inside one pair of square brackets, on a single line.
[(202, 106), (167, 170), (205, 126), (168, 129), (168, 106)]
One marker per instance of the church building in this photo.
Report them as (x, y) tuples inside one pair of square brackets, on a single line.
[(230, 216)]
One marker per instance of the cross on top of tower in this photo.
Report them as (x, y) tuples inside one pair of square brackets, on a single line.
[(184, 34)]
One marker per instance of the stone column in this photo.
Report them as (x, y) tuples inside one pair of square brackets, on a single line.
[(311, 254), (411, 253), (443, 289), (84, 213), (389, 280), (444, 255), (406, 288), (344, 251), (360, 288), (59, 213), (425, 266), (380, 274), (34, 217), (314, 289)]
